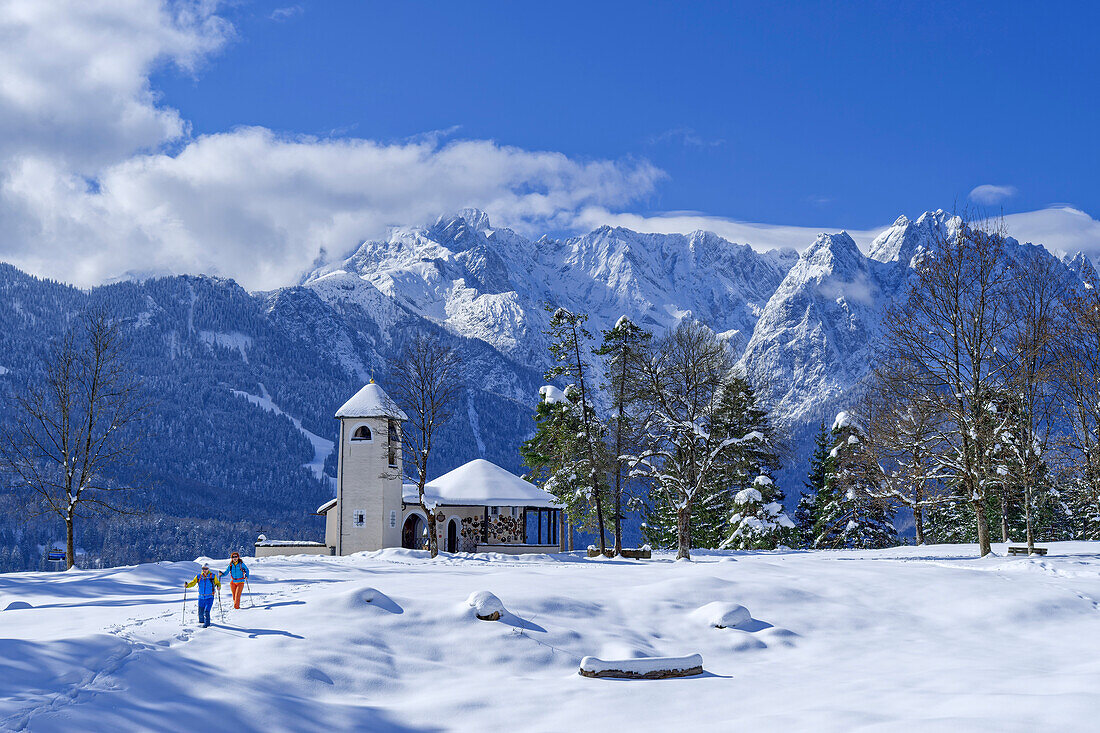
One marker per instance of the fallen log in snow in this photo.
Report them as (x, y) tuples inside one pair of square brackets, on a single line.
[(643, 668)]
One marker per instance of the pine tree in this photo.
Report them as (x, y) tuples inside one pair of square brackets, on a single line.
[(849, 514), (755, 522), (806, 515), (555, 454), (621, 350), (569, 341)]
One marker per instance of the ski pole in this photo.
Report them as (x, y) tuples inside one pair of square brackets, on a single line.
[(251, 603), (183, 612), (221, 608)]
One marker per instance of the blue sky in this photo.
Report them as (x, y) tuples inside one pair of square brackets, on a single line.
[(794, 113), (253, 139)]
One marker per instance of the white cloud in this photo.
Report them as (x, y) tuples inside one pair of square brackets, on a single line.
[(75, 82), (987, 194), (260, 208), (1062, 229), (281, 14)]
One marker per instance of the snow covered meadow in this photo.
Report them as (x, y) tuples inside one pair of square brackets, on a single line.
[(912, 638)]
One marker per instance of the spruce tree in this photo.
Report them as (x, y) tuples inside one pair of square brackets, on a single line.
[(849, 514), (805, 516), (555, 455), (755, 522)]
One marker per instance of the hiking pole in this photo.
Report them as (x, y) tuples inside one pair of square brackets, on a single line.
[(251, 603), (221, 608), (183, 612)]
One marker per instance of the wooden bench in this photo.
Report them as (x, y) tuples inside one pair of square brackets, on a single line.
[(1023, 550), (630, 554)]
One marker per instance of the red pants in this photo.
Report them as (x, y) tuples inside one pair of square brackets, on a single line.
[(237, 589)]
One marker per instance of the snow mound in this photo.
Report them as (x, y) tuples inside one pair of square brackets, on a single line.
[(370, 597), (643, 668), (487, 607), (722, 615), (17, 606)]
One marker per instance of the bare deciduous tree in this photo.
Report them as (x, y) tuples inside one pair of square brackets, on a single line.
[(904, 437), (681, 382), (427, 383), (73, 433), (1078, 380), (1036, 304), (949, 333)]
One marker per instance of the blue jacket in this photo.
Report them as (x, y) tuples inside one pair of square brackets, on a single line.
[(207, 583), (237, 571)]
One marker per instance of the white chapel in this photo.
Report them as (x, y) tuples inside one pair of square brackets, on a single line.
[(479, 506)]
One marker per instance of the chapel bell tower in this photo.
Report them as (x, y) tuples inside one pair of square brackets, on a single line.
[(369, 475)]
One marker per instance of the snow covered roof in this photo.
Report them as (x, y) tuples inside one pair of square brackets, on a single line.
[(326, 506), (480, 483), (371, 401)]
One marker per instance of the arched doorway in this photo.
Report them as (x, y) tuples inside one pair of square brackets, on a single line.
[(452, 536), (412, 533)]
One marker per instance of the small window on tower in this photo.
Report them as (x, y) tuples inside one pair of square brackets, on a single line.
[(361, 433), (359, 517)]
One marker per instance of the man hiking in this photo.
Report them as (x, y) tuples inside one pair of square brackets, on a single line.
[(238, 571), (207, 581)]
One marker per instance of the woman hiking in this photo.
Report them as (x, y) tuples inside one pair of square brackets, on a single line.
[(207, 581), (238, 572)]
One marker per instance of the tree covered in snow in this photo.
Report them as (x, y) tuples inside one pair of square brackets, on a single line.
[(623, 348), (848, 514), (755, 522), (682, 382), (569, 351), (556, 454)]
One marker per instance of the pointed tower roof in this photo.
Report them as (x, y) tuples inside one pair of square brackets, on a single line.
[(371, 401)]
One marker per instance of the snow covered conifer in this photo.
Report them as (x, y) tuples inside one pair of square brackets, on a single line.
[(569, 348), (849, 514), (556, 455), (756, 523)]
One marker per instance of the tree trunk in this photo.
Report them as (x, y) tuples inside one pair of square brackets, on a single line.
[(983, 526), (1004, 516), (70, 555), (433, 541), (683, 534), (918, 521), (599, 512), (618, 512), (1027, 518)]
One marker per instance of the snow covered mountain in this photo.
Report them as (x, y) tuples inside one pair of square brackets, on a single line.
[(493, 284)]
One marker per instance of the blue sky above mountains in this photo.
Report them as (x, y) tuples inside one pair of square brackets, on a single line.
[(243, 138)]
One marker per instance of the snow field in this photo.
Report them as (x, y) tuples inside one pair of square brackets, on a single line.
[(923, 638)]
